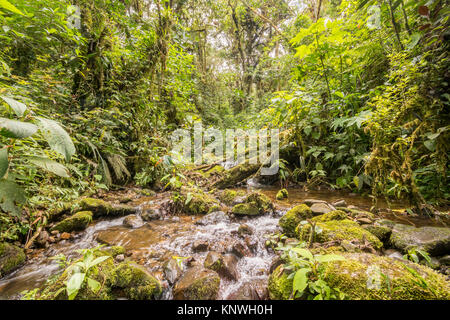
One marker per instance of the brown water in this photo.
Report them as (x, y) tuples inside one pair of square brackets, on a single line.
[(154, 242)]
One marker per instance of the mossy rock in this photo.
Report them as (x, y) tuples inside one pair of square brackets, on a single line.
[(381, 232), (102, 208), (434, 240), (214, 171), (280, 287), (126, 278), (232, 177), (292, 218), (359, 277), (77, 222), (197, 283), (246, 209), (335, 215), (339, 230), (11, 258), (114, 251), (263, 202), (199, 203), (228, 196), (357, 212), (282, 194), (214, 261)]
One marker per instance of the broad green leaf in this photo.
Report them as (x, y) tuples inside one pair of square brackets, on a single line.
[(18, 107), (16, 129), (430, 144), (329, 258), (51, 166), (58, 139), (94, 285), (11, 195), (8, 6), (303, 252), (356, 181), (74, 284), (301, 280), (98, 260), (4, 164)]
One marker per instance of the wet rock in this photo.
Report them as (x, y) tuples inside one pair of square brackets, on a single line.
[(200, 246), (245, 229), (172, 271), (335, 215), (246, 209), (381, 232), (310, 202), (339, 230), (277, 261), (229, 269), (213, 218), (364, 220), (197, 283), (115, 251), (213, 261), (445, 260), (196, 202), (292, 218), (77, 222), (255, 290), (228, 196), (434, 240), (65, 236), (321, 208), (43, 238), (282, 194), (254, 204), (392, 253), (151, 214), (132, 221), (120, 257), (240, 250), (11, 258), (340, 203), (280, 284), (102, 208)]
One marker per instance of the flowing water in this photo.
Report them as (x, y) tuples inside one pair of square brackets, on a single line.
[(156, 241)]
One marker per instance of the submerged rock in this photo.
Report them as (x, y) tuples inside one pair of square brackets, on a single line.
[(151, 214), (339, 230), (78, 222), (434, 240), (197, 283), (225, 266), (11, 258), (292, 218), (200, 246), (245, 229)]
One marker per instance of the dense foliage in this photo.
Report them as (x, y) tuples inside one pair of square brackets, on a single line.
[(359, 88)]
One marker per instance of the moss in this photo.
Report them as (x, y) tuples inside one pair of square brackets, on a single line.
[(292, 218), (77, 222), (263, 202), (235, 175), (357, 213), (352, 277), (338, 230), (11, 257), (114, 251), (137, 283), (102, 208), (382, 233), (197, 284), (246, 209), (214, 261), (280, 287), (330, 216), (282, 194), (200, 203), (228, 196), (216, 170)]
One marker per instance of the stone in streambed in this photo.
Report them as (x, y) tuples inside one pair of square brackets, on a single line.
[(225, 266), (77, 222), (11, 258), (245, 229), (254, 290), (282, 194), (293, 217), (197, 283), (200, 246), (321, 208), (172, 271), (132, 221), (254, 204)]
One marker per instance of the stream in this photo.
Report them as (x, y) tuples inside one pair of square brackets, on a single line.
[(152, 243)]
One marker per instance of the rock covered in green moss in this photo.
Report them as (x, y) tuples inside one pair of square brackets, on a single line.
[(434, 240), (282, 194), (11, 257), (292, 218), (246, 209), (214, 171), (77, 222), (102, 208), (137, 282), (197, 283), (197, 202), (228, 196), (381, 232), (279, 286), (360, 276), (213, 261), (232, 177), (330, 216), (338, 230), (114, 251)]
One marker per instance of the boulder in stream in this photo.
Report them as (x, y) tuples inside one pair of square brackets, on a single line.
[(77, 222), (254, 204), (292, 218), (434, 240), (172, 271), (197, 283), (11, 258), (225, 266), (132, 221), (255, 290)]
